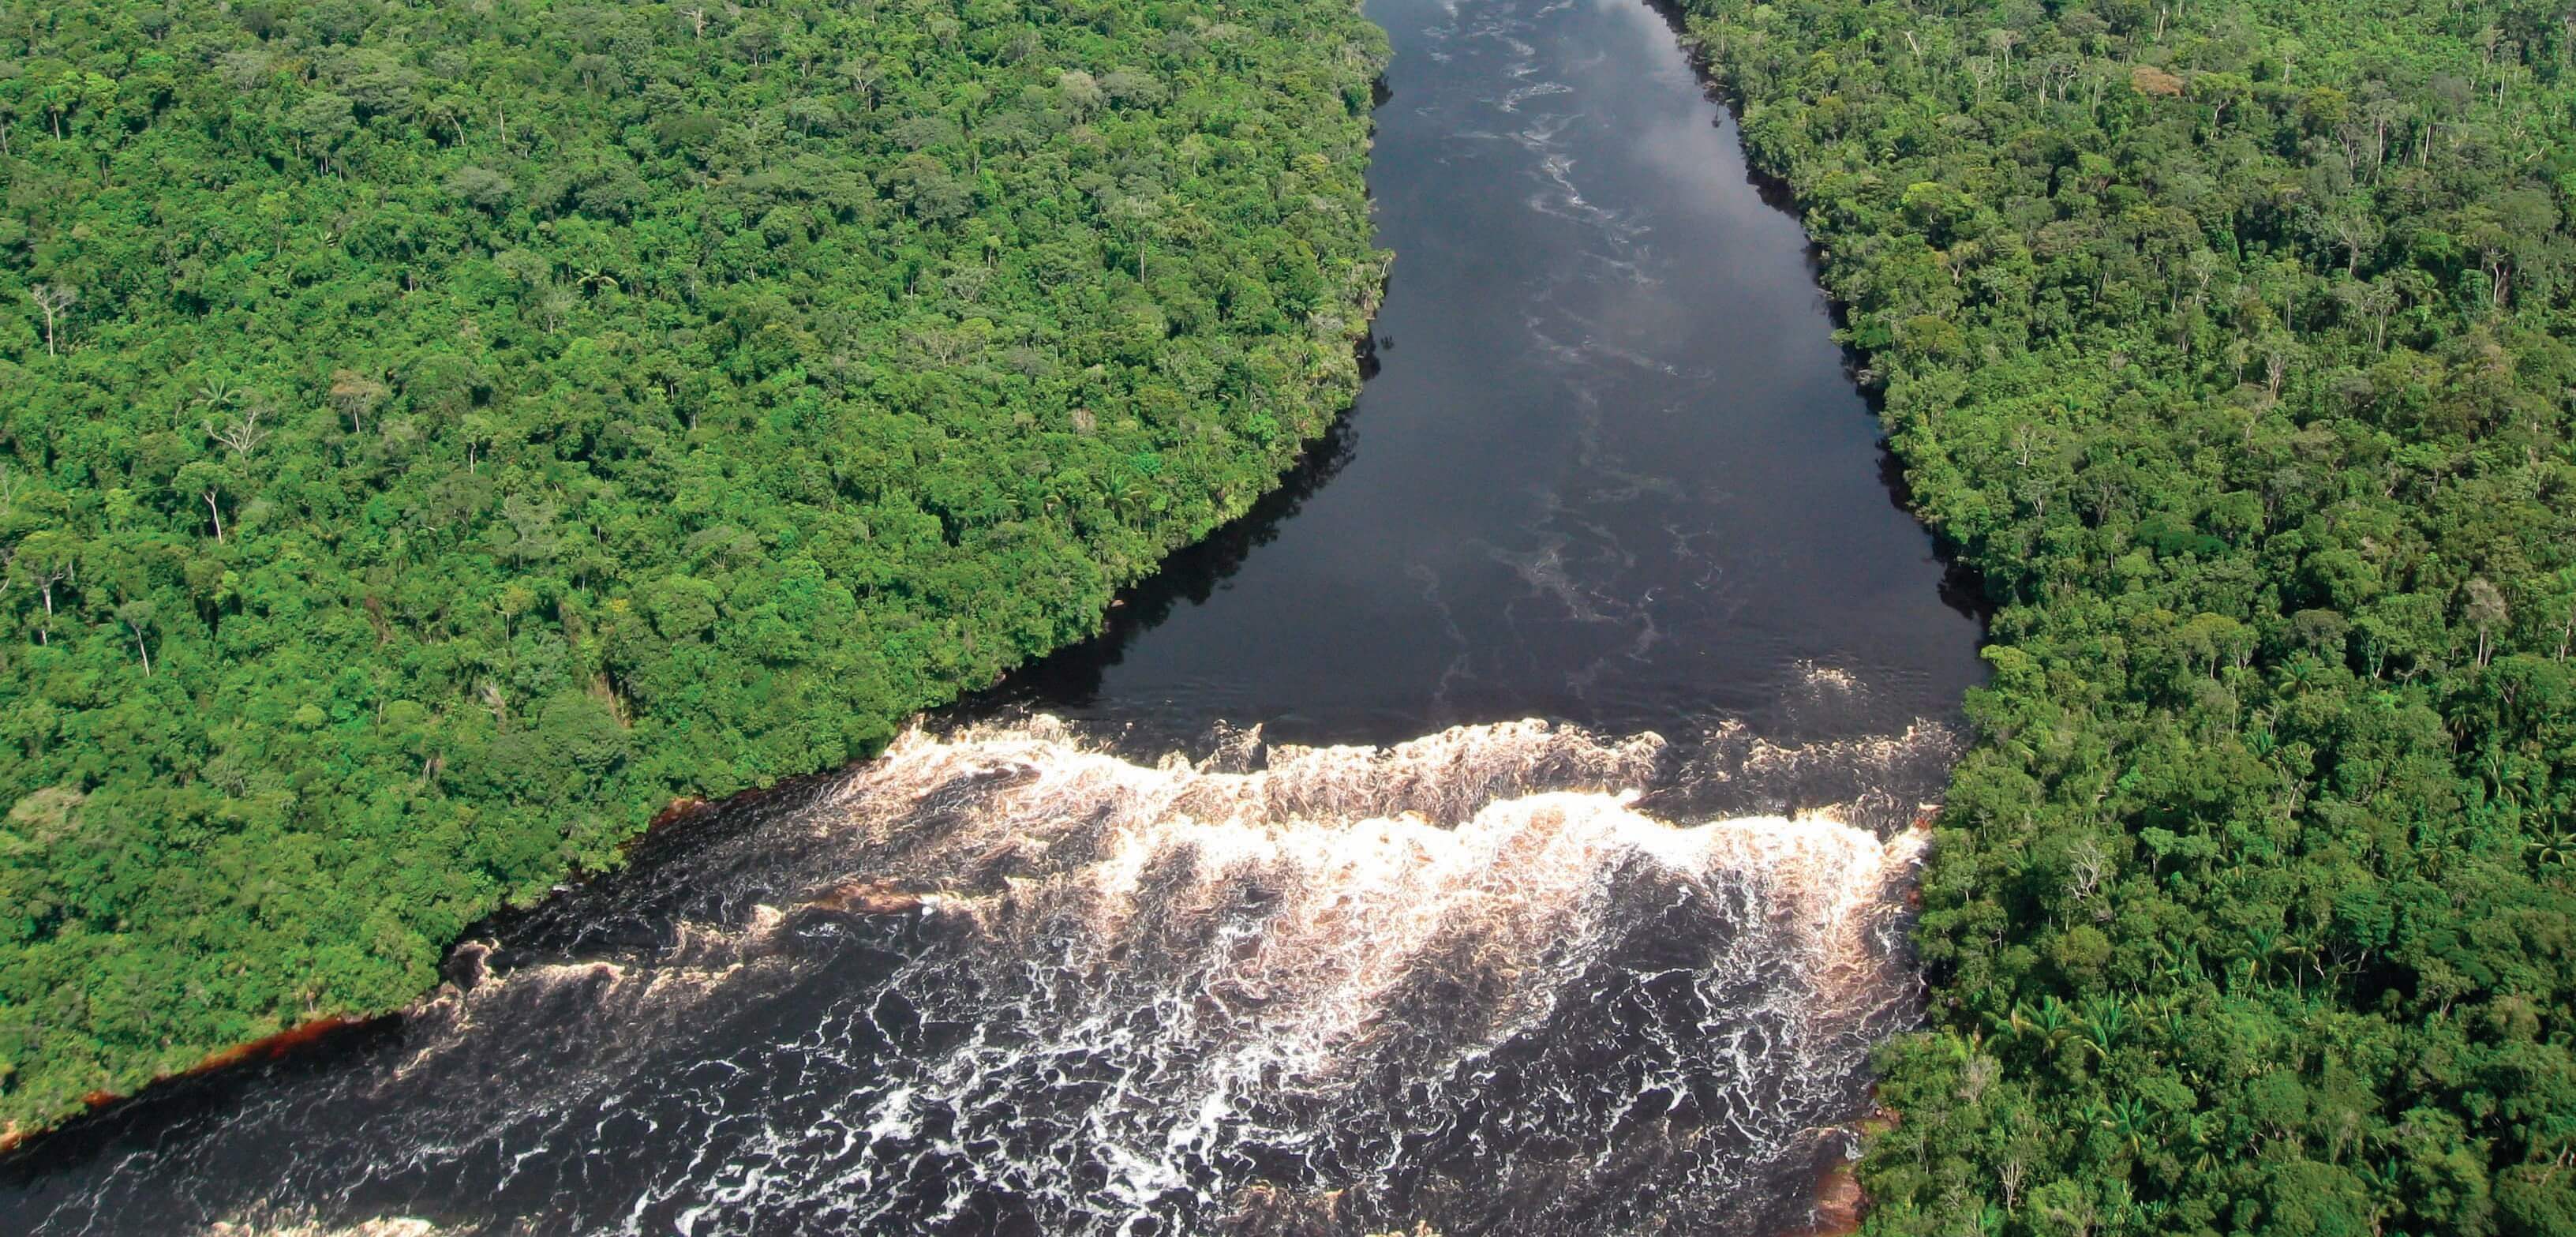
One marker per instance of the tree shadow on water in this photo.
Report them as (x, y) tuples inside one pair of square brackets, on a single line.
[(1071, 677)]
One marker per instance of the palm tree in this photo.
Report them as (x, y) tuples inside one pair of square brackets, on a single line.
[(2557, 850), (2130, 1120), (2104, 1019)]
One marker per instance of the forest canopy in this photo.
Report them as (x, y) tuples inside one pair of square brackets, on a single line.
[(433, 438), (2231, 343)]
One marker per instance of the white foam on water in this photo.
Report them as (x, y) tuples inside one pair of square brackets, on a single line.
[(278, 1226), (1001, 978), (1177, 992)]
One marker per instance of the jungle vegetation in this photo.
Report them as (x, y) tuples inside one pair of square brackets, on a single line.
[(435, 437), (2231, 343)]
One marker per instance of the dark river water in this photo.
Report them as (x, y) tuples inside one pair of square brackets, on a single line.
[(1611, 470), (1505, 829)]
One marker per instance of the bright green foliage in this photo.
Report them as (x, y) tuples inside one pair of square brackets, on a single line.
[(437, 435), (2232, 344)]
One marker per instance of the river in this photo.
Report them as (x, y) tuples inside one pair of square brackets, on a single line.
[(1267, 912)]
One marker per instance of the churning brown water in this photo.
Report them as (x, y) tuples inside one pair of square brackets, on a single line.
[(998, 981)]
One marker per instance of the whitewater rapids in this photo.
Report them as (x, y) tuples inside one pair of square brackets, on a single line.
[(1003, 981)]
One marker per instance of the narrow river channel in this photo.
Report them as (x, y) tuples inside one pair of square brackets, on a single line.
[(1268, 912)]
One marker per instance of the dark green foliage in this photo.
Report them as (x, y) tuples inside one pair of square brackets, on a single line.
[(435, 436), (2232, 343)]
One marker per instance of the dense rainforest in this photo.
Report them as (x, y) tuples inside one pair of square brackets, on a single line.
[(2232, 344), (435, 437)]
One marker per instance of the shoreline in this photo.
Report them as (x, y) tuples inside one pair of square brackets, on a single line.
[(266, 1048)]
